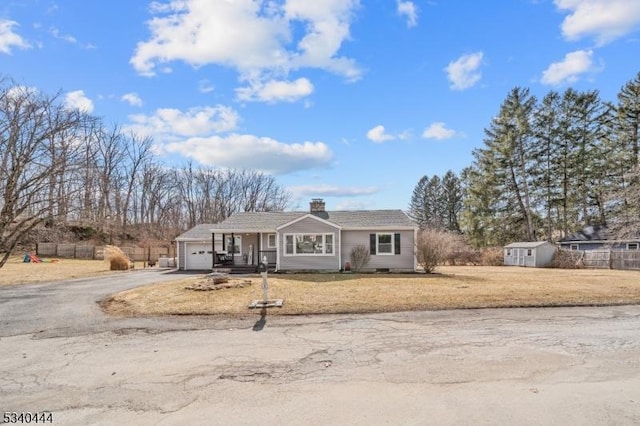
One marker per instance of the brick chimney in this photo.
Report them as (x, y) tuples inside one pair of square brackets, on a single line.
[(316, 205)]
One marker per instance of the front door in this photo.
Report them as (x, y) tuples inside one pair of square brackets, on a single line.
[(234, 247)]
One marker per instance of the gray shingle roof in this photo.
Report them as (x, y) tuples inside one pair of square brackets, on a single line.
[(527, 244), (269, 221), (589, 233), (198, 232)]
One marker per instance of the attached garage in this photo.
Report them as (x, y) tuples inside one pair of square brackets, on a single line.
[(198, 256), (194, 251)]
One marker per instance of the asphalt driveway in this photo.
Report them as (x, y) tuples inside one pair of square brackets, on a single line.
[(60, 354)]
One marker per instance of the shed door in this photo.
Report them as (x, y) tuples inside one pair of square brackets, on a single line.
[(199, 256), (520, 256)]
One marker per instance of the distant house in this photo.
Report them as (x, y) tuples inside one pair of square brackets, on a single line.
[(317, 239), (596, 237), (532, 254)]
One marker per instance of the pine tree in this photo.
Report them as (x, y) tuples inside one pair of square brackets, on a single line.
[(629, 118), (452, 200), (417, 206), (507, 155), (545, 152)]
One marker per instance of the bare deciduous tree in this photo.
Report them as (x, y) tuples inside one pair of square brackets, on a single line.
[(32, 160), (432, 248), (359, 257)]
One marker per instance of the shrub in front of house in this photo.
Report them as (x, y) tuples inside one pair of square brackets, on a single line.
[(359, 258)]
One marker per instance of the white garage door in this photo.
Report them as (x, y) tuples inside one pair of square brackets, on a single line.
[(198, 256)]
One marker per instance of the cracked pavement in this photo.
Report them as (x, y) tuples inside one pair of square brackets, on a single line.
[(60, 353)]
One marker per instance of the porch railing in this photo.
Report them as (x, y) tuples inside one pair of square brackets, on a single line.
[(270, 254)]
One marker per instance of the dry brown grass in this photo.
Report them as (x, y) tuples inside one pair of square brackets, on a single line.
[(17, 272), (455, 287), (118, 261)]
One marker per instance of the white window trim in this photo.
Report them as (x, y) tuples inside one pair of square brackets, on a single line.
[(574, 247), (324, 244), (393, 244), (227, 245), (637, 246), (275, 242)]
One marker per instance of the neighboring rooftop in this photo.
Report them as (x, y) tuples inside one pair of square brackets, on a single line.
[(589, 233), (527, 244)]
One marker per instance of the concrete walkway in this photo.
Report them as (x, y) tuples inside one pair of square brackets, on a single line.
[(60, 353)]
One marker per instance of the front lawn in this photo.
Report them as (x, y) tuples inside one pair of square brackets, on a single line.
[(451, 288)]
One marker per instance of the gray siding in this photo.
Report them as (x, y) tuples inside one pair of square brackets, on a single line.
[(309, 262), (541, 256), (402, 262), (248, 240), (181, 256)]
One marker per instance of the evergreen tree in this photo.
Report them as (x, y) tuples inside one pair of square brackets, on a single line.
[(629, 118), (452, 198), (545, 151), (503, 165), (436, 202), (417, 206)]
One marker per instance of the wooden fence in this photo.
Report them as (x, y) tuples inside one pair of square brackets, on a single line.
[(77, 251), (612, 259)]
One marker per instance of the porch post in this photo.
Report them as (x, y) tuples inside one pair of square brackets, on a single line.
[(233, 250), (259, 246), (213, 250)]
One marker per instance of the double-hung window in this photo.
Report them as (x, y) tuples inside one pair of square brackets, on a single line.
[(384, 243)]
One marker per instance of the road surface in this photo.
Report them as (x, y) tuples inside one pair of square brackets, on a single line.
[(60, 354)]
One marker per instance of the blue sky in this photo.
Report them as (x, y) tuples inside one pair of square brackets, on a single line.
[(352, 101)]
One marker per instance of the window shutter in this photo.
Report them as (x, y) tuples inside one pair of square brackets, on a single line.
[(372, 243), (397, 243)]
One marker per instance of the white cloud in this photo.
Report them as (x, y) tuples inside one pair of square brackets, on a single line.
[(409, 10), (205, 86), (9, 39), (327, 25), (438, 131), (169, 124), (325, 190), (254, 37), (64, 37), (464, 73), (78, 100), (256, 153), (275, 91), (605, 20), (379, 135), (355, 204), (132, 99), (569, 70)]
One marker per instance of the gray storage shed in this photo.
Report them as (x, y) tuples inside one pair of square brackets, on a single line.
[(532, 254)]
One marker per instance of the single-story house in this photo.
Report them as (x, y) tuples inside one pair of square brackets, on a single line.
[(536, 254), (315, 240), (595, 237)]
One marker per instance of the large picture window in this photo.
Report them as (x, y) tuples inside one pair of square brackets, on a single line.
[(308, 244)]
